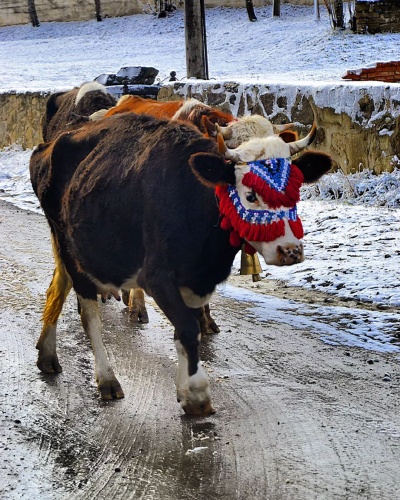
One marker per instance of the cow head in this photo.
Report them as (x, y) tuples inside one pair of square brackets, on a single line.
[(244, 128), (258, 192), (248, 127)]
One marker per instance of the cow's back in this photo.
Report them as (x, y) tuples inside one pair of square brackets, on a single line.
[(139, 105), (134, 196)]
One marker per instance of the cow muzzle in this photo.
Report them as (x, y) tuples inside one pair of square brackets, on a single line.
[(289, 254), (280, 253)]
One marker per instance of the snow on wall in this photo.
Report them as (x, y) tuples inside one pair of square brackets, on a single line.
[(341, 98), (358, 123)]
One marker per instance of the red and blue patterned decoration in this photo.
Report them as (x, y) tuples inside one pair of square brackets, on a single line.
[(278, 183)]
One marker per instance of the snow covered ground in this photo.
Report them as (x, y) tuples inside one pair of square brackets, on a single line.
[(352, 223), (292, 48)]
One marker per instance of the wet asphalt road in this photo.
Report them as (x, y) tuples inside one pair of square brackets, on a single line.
[(296, 419)]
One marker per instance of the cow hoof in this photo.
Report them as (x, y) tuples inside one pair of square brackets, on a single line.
[(111, 389), (139, 315), (48, 364), (210, 328), (198, 410)]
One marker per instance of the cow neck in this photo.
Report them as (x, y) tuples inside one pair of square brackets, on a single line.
[(278, 182)]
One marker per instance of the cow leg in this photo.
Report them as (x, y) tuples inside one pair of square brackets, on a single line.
[(134, 300), (193, 388), (107, 382), (207, 323), (57, 293)]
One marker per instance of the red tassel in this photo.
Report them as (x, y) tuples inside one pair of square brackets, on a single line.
[(234, 239), (241, 229), (297, 228), (226, 223)]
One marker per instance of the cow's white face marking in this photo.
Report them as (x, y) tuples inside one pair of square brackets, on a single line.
[(246, 127), (192, 300), (258, 148), (276, 252)]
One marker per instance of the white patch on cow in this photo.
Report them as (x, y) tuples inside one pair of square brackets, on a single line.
[(48, 347), (246, 128), (97, 115), (89, 87), (193, 390), (91, 321), (182, 378), (269, 249), (123, 98), (192, 300), (187, 107), (262, 147)]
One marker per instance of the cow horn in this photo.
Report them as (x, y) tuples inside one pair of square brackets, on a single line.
[(228, 154), (282, 127), (226, 132), (297, 146)]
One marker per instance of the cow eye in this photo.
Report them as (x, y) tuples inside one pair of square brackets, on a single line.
[(251, 197)]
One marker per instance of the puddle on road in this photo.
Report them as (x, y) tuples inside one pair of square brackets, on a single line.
[(371, 330)]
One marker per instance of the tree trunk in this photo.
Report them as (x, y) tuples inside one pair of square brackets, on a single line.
[(98, 10), (339, 15), (32, 13), (276, 12), (316, 10), (250, 10), (195, 38)]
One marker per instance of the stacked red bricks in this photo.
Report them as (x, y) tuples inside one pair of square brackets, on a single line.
[(382, 71)]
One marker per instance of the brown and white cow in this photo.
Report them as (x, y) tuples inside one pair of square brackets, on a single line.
[(69, 110), (131, 201), (188, 110), (209, 120), (234, 130)]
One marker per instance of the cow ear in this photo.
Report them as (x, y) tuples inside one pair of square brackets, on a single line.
[(211, 169), (289, 136), (313, 165), (208, 127)]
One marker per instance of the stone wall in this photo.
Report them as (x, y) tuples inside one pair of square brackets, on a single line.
[(20, 118), (16, 11), (382, 16), (358, 125)]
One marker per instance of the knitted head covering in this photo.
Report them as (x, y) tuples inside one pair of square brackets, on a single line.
[(278, 183)]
